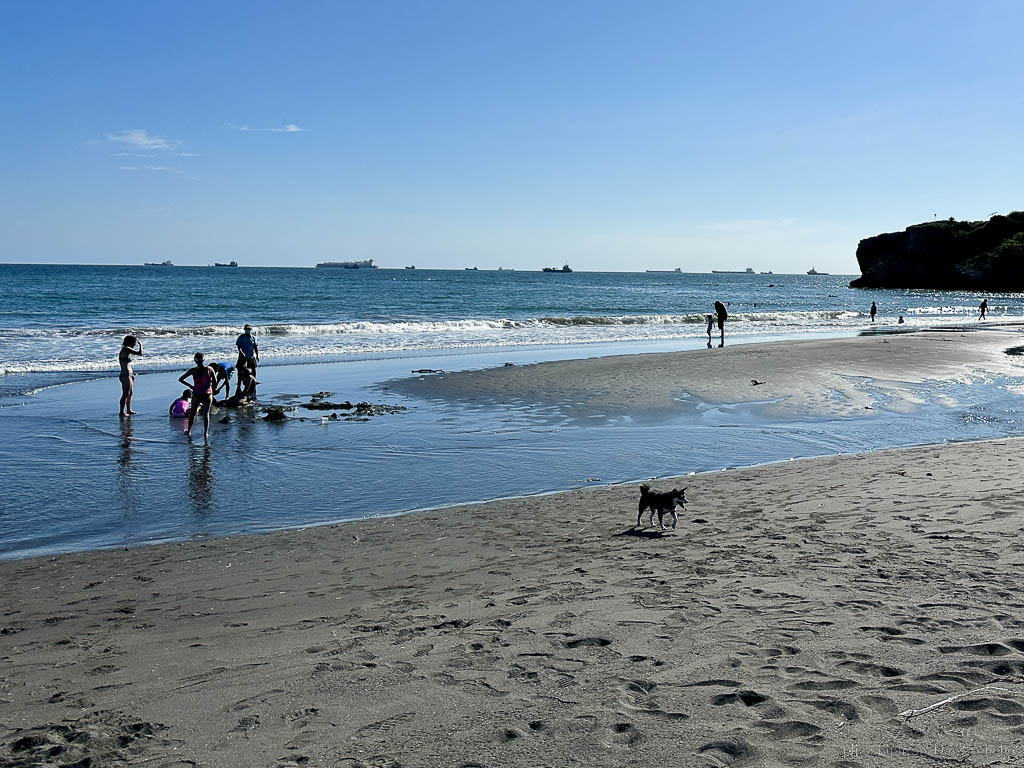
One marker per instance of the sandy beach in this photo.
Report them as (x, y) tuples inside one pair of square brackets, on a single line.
[(792, 617), (821, 377)]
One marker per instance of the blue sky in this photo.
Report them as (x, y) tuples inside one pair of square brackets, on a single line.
[(615, 136)]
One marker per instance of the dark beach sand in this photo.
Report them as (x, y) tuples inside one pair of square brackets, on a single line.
[(797, 610)]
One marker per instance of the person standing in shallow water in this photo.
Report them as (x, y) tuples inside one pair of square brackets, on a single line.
[(204, 387), (722, 314), (874, 311), (984, 308), (127, 375), (248, 354)]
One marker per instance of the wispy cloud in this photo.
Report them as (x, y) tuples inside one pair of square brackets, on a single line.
[(188, 154), (287, 128), (137, 137), (155, 168), (134, 154)]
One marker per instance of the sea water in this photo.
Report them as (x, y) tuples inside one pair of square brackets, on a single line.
[(77, 477)]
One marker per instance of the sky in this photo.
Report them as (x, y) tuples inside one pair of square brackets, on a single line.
[(614, 136)]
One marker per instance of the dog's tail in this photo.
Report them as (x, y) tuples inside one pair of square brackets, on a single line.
[(644, 490)]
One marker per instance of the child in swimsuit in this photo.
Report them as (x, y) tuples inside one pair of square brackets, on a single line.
[(180, 407), (204, 387), (127, 375)]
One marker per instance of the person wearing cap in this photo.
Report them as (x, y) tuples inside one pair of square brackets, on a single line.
[(248, 354)]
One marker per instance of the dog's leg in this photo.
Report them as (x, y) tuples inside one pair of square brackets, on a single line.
[(675, 518)]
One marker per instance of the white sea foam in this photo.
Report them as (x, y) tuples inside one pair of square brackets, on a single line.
[(36, 350)]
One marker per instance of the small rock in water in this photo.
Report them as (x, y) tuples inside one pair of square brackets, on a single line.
[(370, 409), (275, 413), (326, 405)]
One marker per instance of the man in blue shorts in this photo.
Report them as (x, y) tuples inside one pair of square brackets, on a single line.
[(248, 352)]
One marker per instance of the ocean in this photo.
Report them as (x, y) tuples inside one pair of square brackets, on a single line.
[(78, 478)]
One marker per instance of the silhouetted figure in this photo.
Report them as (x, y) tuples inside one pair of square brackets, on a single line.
[(900, 321), (248, 353), (711, 324), (874, 311), (984, 308), (127, 375), (722, 315)]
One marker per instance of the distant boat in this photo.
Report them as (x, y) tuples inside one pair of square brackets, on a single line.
[(767, 273), (411, 266), (167, 263), (471, 269), (747, 271), (367, 264), (813, 271), (565, 268), (671, 271), (229, 264)]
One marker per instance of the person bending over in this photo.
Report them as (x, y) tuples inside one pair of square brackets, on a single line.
[(222, 373), (722, 314)]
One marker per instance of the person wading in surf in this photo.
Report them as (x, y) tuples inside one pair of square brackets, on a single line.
[(127, 375), (204, 386)]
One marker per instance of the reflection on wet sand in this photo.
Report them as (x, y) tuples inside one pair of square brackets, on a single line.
[(127, 473), (200, 480)]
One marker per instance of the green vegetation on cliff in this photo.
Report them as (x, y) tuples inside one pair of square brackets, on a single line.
[(983, 255)]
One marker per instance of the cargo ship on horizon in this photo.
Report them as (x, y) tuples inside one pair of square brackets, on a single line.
[(365, 264)]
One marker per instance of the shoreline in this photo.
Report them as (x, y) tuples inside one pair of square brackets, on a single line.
[(544, 629), (640, 415)]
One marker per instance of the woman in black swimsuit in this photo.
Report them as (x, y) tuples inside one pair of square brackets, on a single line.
[(127, 375)]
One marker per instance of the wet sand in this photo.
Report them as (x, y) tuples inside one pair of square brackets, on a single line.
[(796, 611), (792, 617), (822, 377)]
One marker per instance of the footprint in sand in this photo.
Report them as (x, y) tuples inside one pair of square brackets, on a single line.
[(588, 642), (624, 735), (836, 707), (746, 698), (981, 649), (732, 749)]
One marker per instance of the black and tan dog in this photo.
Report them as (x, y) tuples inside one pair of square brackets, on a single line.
[(662, 502)]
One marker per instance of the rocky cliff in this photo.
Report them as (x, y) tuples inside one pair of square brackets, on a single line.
[(979, 255)]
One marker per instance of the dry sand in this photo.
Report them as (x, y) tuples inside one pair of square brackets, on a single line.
[(797, 610)]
